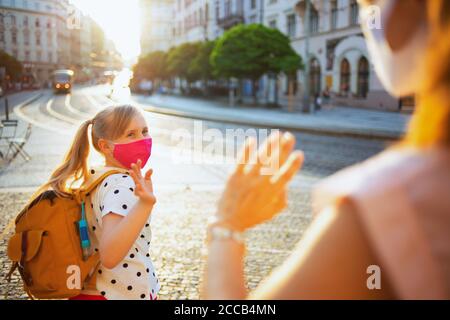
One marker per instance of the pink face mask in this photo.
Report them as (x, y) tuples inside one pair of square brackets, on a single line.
[(128, 153)]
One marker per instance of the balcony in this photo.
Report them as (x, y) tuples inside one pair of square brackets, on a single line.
[(230, 20)]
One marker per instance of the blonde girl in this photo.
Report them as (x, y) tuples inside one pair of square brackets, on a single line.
[(122, 204)]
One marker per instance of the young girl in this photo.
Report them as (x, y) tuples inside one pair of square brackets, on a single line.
[(120, 207)]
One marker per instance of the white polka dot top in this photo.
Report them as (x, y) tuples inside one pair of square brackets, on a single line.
[(134, 277)]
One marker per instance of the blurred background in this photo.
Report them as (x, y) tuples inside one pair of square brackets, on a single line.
[(176, 46)]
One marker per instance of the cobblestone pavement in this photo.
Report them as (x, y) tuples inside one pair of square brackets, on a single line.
[(186, 198)]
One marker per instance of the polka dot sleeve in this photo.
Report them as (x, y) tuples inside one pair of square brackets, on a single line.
[(117, 195)]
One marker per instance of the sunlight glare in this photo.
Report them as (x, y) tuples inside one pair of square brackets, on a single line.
[(120, 19)]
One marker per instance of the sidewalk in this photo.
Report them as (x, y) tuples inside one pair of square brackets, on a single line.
[(336, 121)]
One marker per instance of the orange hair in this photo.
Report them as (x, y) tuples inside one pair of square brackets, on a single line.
[(430, 125)]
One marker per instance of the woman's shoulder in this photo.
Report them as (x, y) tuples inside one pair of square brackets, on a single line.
[(399, 199), (381, 175)]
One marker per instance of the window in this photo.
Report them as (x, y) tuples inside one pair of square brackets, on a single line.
[(27, 55), (334, 14), (353, 12), (25, 21), (50, 57), (345, 77), (291, 84), (39, 56), (314, 21), (38, 39), (14, 37), (363, 77), (314, 77), (26, 37), (38, 23), (253, 4), (2, 36), (291, 25), (273, 24), (227, 8)]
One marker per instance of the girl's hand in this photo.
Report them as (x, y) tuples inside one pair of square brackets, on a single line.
[(144, 186), (257, 191)]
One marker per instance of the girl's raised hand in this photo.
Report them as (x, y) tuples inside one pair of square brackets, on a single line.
[(257, 190), (144, 186)]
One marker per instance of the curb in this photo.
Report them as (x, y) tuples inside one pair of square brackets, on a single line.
[(332, 131), (28, 101)]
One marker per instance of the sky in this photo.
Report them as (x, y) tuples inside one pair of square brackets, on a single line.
[(120, 19)]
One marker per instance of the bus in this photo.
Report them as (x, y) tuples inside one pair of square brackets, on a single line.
[(63, 80)]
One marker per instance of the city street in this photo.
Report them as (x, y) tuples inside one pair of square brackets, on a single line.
[(186, 192)]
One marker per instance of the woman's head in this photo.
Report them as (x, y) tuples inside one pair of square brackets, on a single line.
[(112, 125), (411, 53)]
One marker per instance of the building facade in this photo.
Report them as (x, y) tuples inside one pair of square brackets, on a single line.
[(337, 54), (45, 35), (157, 25), (35, 33)]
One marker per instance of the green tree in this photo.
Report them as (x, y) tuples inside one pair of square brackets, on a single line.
[(152, 66), (200, 67), (179, 61), (12, 66), (250, 51)]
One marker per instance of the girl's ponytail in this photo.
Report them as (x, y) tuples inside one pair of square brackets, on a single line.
[(110, 123), (74, 166)]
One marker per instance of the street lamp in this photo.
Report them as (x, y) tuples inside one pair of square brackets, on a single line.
[(3, 72), (303, 8)]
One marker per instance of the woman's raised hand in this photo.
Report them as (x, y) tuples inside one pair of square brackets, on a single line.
[(257, 190), (144, 186)]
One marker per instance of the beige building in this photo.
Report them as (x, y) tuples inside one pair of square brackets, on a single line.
[(157, 22), (35, 33), (46, 35), (338, 56)]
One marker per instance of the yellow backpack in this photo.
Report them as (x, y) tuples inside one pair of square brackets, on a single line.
[(46, 247)]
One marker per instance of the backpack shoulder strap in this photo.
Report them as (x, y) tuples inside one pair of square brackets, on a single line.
[(96, 176)]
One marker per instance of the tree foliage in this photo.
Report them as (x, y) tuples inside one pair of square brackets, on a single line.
[(12, 66), (200, 67), (180, 58), (249, 51), (152, 66)]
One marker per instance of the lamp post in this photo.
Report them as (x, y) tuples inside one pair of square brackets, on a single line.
[(303, 8), (3, 73)]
